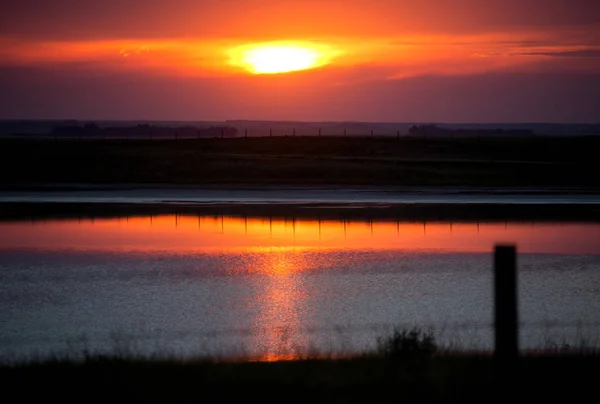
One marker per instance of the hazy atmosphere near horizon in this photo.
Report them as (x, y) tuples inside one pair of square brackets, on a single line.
[(352, 60)]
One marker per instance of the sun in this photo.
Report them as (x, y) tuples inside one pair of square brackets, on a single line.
[(281, 57)]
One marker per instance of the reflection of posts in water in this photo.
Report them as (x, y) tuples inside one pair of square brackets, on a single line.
[(505, 314), (319, 229)]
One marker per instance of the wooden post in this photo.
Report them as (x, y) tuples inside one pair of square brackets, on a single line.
[(398, 134), (344, 132), (505, 314), (371, 132)]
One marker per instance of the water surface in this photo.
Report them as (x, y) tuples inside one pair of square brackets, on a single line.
[(273, 288)]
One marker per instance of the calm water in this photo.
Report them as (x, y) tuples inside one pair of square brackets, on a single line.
[(195, 285)]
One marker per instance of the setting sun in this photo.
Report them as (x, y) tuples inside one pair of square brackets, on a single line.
[(281, 57)]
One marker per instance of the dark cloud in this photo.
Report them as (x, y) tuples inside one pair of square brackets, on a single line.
[(586, 53)]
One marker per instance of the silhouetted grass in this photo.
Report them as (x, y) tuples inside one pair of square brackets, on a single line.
[(440, 378), (434, 376)]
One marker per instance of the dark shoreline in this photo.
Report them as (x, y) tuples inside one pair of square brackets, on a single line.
[(559, 162), (486, 212), (452, 378)]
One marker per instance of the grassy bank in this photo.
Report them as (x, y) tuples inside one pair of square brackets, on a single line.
[(442, 378), (406, 366), (513, 161)]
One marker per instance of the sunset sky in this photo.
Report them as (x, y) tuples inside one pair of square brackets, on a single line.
[(360, 60)]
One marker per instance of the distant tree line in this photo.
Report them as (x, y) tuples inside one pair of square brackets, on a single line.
[(433, 130), (143, 131)]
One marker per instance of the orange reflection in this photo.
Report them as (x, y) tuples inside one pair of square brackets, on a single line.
[(281, 302), (191, 234)]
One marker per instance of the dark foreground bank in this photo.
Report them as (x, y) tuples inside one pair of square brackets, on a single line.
[(443, 378), (511, 161)]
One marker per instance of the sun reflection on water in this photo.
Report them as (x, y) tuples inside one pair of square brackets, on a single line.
[(281, 303)]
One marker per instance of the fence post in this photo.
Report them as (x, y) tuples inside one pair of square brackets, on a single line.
[(505, 315)]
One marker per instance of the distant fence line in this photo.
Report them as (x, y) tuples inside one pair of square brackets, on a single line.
[(246, 134), (149, 132)]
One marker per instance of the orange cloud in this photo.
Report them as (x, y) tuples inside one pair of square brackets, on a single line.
[(391, 57)]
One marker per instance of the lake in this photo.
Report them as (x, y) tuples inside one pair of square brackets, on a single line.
[(272, 288)]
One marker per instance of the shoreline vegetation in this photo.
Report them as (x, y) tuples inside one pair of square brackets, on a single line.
[(404, 212), (443, 379), (407, 365), (527, 161)]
